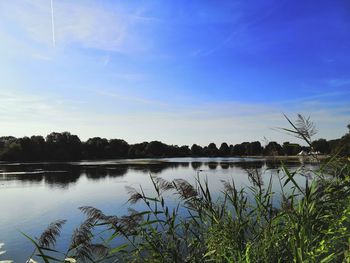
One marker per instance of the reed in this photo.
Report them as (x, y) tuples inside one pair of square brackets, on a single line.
[(310, 223)]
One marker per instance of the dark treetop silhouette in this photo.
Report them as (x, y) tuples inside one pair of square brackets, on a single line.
[(66, 146)]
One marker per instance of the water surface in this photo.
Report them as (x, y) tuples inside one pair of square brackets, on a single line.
[(34, 194)]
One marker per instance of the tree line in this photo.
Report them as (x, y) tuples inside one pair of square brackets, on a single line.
[(67, 146)]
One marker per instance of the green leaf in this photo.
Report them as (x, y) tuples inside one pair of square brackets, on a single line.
[(208, 254), (37, 246), (329, 258), (118, 249), (290, 178)]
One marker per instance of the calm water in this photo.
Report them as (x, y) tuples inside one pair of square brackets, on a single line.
[(33, 195)]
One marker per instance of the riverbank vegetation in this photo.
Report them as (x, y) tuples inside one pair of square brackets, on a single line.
[(300, 222), (66, 147)]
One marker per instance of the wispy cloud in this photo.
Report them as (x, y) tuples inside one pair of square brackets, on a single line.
[(234, 122), (339, 82), (131, 99), (163, 93), (20, 106), (239, 28), (86, 24), (317, 97), (131, 76)]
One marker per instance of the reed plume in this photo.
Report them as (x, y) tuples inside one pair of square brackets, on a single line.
[(49, 236)]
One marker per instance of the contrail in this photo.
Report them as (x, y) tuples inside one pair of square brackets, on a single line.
[(53, 25)]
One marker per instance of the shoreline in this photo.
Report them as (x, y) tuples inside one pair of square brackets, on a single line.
[(307, 158)]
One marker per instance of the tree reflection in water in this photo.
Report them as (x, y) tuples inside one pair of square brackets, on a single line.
[(62, 175)]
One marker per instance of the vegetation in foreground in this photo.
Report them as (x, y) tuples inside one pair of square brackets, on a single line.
[(311, 223)]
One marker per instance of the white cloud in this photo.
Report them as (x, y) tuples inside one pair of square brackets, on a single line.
[(23, 114), (82, 23)]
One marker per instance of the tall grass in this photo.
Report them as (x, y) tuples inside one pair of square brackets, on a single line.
[(310, 223)]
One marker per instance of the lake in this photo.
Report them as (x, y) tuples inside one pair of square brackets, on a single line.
[(34, 194)]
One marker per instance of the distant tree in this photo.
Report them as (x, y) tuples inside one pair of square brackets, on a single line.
[(196, 150), (211, 150), (12, 152), (238, 150), (175, 151), (66, 146), (27, 149), (322, 146), (137, 150), (343, 147), (273, 148), (22, 149), (39, 147), (156, 149), (63, 146), (96, 148), (117, 148), (333, 145), (183, 151), (231, 150), (245, 148), (224, 149), (291, 148), (255, 148), (5, 141)]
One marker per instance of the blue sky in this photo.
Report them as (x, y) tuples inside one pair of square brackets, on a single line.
[(178, 71)]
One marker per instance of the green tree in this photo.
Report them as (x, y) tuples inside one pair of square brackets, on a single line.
[(238, 150), (156, 149), (184, 150), (63, 146), (224, 149), (273, 148), (137, 150), (212, 150), (13, 152), (322, 146), (196, 150), (255, 148), (291, 148), (96, 148), (117, 148)]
